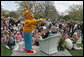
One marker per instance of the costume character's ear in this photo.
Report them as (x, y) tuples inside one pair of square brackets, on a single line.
[(25, 9)]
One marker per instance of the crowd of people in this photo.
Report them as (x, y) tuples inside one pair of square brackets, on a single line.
[(12, 31)]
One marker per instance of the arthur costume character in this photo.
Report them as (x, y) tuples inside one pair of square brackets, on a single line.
[(28, 29)]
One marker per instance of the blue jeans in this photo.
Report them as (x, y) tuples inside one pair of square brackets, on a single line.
[(28, 40)]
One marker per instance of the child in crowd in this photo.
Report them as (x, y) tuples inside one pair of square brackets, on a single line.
[(70, 32), (11, 43), (58, 31), (7, 36), (37, 38), (66, 35), (45, 33), (3, 39), (18, 35), (75, 38), (17, 40), (14, 32), (54, 29), (12, 35)]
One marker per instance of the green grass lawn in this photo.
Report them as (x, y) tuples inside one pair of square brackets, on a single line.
[(5, 51), (8, 52), (76, 52)]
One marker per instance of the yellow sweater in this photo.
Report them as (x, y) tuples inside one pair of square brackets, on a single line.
[(29, 25)]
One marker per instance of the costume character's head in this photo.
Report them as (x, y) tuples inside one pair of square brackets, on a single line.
[(27, 14)]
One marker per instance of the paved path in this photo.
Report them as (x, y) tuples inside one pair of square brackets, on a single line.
[(40, 53)]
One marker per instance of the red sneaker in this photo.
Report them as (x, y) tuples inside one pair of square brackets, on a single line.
[(29, 51)]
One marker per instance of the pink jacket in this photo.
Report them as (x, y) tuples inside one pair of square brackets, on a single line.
[(20, 37), (3, 39)]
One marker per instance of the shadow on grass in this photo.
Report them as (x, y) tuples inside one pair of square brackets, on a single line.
[(76, 52), (5, 51)]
